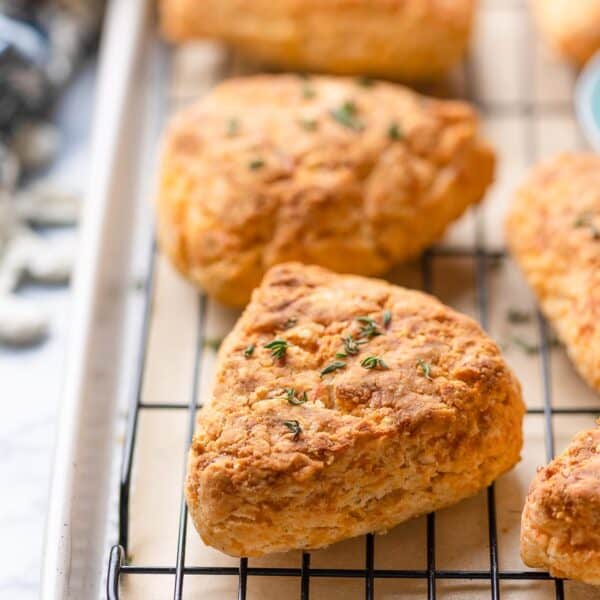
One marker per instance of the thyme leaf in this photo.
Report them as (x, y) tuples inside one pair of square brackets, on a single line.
[(516, 316), (233, 127), (256, 163), (278, 348), (425, 368), (334, 366), (585, 220), (249, 351), (294, 427), (351, 346), (387, 318), (394, 132), (346, 115), (373, 362), (369, 328), (293, 398), (365, 81)]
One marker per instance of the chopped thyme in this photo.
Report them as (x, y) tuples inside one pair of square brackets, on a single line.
[(516, 316), (308, 124), (293, 398), (585, 220), (373, 362), (294, 427), (278, 348), (426, 368), (334, 366), (341, 355), (249, 351), (289, 323), (256, 163), (365, 81), (394, 132), (308, 91), (233, 127), (213, 343), (387, 318), (351, 346), (346, 115), (369, 328)]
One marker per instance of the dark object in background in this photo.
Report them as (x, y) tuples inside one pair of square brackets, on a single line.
[(41, 45)]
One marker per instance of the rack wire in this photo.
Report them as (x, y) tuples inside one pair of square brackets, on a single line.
[(482, 260)]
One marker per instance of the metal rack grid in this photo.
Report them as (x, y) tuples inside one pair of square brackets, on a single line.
[(482, 259)]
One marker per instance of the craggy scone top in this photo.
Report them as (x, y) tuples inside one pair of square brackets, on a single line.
[(560, 528), (375, 405), (553, 230), (406, 39), (350, 174)]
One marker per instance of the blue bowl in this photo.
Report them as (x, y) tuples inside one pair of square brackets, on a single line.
[(587, 101)]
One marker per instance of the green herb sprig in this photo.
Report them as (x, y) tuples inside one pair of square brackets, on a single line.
[(347, 116), (249, 350), (294, 427), (293, 398), (256, 163), (425, 368), (369, 328), (278, 348), (334, 366), (373, 362), (394, 132)]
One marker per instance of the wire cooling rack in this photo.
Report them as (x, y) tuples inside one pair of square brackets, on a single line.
[(483, 261)]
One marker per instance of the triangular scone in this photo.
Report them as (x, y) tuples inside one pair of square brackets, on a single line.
[(553, 230), (560, 528), (320, 436)]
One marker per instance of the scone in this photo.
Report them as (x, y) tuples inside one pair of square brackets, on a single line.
[(324, 170), (406, 39), (345, 405), (572, 28), (553, 230), (560, 527)]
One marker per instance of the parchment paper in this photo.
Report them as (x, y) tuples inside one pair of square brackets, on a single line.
[(525, 97)]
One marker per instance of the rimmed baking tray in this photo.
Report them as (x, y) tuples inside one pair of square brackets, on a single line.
[(142, 355)]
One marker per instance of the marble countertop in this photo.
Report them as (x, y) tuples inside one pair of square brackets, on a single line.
[(32, 379)]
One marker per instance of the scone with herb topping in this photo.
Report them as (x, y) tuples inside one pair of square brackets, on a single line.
[(345, 405), (553, 231), (408, 39), (352, 175), (560, 528), (572, 28)]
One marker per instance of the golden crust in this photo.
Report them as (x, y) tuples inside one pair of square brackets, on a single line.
[(376, 447), (553, 230), (572, 28), (320, 192), (406, 39), (560, 527)]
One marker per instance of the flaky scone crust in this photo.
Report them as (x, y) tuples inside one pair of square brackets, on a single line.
[(376, 447), (407, 39), (553, 230), (352, 201), (560, 527), (572, 28)]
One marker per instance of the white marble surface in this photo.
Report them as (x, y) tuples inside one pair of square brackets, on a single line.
[(31, 388)]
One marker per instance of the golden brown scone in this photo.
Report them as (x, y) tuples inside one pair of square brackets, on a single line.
[(325, 171), (289, 455), (553, 230), (406, 39), (560, 527), (572, 28)]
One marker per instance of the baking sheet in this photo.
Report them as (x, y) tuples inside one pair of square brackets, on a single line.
[(525, 98)]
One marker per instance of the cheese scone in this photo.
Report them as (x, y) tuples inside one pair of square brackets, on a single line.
[(345, 405), (553, 231), (350, 175), (572, 28), (406, 39), (560, 527)]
